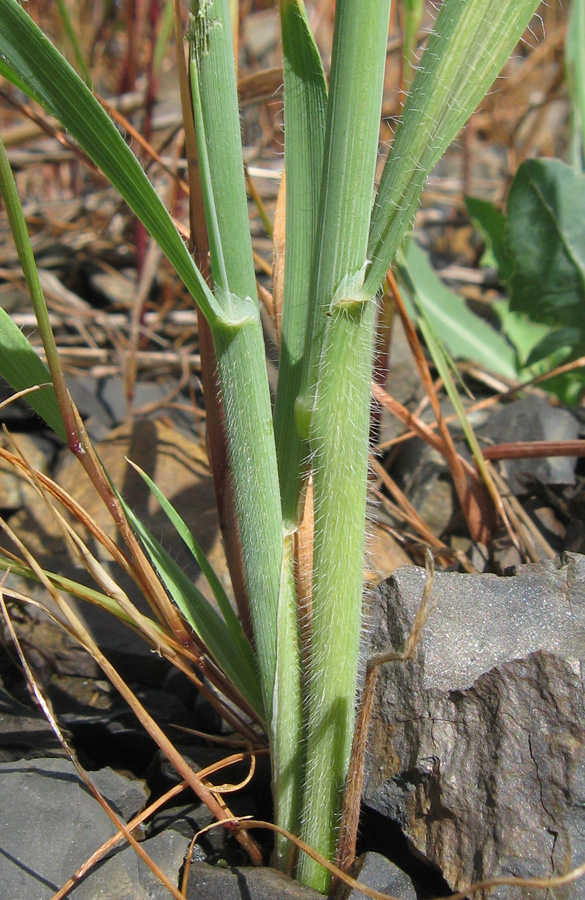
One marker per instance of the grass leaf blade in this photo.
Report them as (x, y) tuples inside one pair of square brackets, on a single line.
[(469, 44), (305, 92), (234, 657), (31, 62)]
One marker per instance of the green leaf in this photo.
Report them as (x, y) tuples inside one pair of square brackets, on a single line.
[(575, 64), (464, 334), (526, 336), (561, 342), (194, 548), (305, 109), (21, 368), (470, 42), (545, 240), (234, 657), (491, 223), (522, 332), (29, 60)]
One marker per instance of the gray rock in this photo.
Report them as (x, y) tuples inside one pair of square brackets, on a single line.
[(24, 732), (534, 419), (216, 883), (51, 824), (477, 745), (379, 873)]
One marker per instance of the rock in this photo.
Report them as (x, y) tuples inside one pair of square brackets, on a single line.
[(51, 824), (24, 732), (477, 745), (15, 491), (375, 871), (216, 883), (534, 419), (103, 404)]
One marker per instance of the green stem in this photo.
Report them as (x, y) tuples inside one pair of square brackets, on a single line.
[(17, 223), (266, 557), (339, 443), (241, 367), (333, 411)]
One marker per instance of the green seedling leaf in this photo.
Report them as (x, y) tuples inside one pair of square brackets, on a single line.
[(465, 334), (522, 332), (234, 657), (21, 368), (560, 343), (194, 548), (545, 239), (29, 60), (491, 223)]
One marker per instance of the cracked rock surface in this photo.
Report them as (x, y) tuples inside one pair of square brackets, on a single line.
[(477, 744)]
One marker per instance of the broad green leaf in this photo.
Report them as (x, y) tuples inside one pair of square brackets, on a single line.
[(561, 343), (522, 331), (491, 222), (545, 240), (21, 368), (464, 334), (527, 336), (29, 60)]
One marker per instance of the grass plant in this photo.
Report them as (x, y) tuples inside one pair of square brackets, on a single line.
[(293, 655)]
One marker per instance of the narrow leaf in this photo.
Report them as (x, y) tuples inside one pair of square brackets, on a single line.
[(215, 92), (575, 63), (188, 539), (21, 368), (29, 60), (305, 98), (235, 658), (468, 46)]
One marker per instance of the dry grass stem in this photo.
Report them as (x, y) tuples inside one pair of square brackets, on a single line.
[(125, 830)]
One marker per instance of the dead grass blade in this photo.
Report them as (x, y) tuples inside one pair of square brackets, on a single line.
[(471, 492), (142, 817), (157, 633), (213, 801), (534, 449), (124, 830)]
